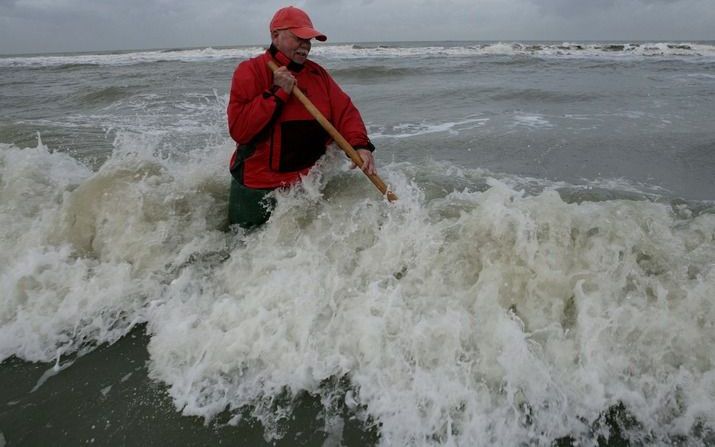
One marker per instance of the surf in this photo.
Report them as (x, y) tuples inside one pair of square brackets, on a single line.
[(468, 311)]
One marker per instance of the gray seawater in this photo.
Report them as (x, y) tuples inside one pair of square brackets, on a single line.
[(547, 276)]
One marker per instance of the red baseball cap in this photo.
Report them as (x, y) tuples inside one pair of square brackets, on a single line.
[(297, 21)]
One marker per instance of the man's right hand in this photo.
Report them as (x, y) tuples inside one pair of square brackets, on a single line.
[(284, 79)]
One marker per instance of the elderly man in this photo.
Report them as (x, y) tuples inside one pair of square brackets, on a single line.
[(278, 141)]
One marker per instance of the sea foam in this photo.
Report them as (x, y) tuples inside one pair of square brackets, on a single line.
[(456, 316), (609, 50)]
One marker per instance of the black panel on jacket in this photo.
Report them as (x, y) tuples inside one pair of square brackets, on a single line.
[(302, 144)]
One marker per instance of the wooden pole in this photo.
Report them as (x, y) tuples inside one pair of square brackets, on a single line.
[(342, 142)]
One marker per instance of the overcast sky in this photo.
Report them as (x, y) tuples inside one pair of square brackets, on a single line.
[(32, 26)]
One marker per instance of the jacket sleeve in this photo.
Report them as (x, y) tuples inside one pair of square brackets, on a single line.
[(346, 117), (252, 103)]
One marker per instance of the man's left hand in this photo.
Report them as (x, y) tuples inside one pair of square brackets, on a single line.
[(368, 162)]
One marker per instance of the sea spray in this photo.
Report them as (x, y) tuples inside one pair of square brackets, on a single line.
[(85, 252), (514, 319), (454, 316)]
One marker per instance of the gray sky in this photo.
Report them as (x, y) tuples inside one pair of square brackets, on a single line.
[(31, 26)]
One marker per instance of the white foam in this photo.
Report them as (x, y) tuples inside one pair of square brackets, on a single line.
[(56, 369), (467, 318), (410, 130), (532, 121), (610, 50), (413, 303), (329, 52), (83, 251), (135, 57)]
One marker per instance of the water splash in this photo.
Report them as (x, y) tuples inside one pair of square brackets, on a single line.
[(458, 315)]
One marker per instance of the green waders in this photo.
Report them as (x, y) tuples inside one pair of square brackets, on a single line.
[(247, 207)]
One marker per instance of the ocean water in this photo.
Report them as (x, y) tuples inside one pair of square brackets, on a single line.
[(547, 276)]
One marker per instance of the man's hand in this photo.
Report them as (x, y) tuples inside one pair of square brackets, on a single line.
[(368, 162), (284, 79)]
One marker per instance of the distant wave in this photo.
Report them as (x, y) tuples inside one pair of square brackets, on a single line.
[(608, 50), (566, 49), (105, 95), (131, 58)]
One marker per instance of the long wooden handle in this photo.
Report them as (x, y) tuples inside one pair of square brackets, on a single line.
[(342, 142)]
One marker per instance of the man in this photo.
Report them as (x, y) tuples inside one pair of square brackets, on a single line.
[(278, 141)]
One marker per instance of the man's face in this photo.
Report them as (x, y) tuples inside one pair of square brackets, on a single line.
[(294, 47)]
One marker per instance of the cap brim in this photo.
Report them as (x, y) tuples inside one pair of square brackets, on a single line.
[(309, 33)]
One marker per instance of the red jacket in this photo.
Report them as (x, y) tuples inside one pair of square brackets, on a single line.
[(287, 139)]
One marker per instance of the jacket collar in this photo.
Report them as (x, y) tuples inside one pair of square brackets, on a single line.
[(282, 59)]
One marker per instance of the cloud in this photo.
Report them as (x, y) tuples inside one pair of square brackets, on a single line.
[(574, 8), (571, 8), (64, 25)]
